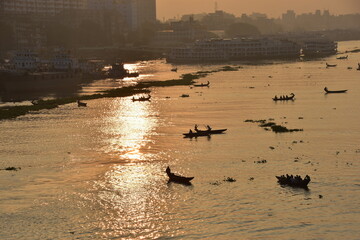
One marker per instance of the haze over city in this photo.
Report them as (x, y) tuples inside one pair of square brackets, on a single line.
[(179, 119), (273, 8)]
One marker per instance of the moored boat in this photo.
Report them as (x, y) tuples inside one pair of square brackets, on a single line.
[(177, 178), (202, 84), (336, 91), (81, 104), (342, 57), (141, 98), (331, 65)]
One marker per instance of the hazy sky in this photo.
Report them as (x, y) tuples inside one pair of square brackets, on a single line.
[(274, 8)]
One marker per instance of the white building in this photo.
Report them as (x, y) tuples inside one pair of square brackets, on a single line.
[(25, 60), (235, 49)]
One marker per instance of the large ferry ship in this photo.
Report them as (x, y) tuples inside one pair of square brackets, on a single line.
[(215, 50), (318, 47)]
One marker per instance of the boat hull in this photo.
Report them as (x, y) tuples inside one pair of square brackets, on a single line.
[(216, 131), (339, 91), (196, 134)]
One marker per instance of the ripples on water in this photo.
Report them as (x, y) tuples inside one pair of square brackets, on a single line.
[(98, 172)]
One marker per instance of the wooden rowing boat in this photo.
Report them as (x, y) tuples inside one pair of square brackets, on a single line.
[(177, 178), (336, 91)]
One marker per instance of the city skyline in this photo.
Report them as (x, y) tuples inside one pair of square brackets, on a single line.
[(168, 9)]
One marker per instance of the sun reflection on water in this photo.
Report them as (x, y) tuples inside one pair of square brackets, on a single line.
[(129, 129)]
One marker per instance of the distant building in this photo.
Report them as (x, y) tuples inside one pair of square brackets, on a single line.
[(48, 7), (134, 12)]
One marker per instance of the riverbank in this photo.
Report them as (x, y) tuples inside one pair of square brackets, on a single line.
[(185, 79)]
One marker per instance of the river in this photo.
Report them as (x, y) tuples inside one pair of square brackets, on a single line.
[(99, 172)]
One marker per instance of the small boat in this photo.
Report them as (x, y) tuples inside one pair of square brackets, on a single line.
[(331, 65), (178, 179), (297, 181), (337, 91), (202, 84), (192, 134), (358, 66), (81, 104), (343, 57), (185, 95), (174, 69), (133, 74), (286, 98), (216, 131), (141, 99)]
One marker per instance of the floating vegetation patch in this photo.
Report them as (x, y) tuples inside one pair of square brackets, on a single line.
[(185, 79), (11, 169), (229, 179), (230, 68), (13, 112), (255, 121), (282, 129), (273, 126), (268, 124), (216, 183)]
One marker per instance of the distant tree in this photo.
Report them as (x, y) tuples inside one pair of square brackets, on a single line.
[(241, 29)]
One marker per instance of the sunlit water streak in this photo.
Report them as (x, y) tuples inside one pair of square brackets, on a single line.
[(98, 172)]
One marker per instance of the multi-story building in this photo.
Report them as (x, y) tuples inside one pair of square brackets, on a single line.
[(47, 7), (134, 12), (116, 17)]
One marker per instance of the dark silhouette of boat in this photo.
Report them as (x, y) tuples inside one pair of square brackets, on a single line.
[(81, 104), (331, 65), (177, 178), (337, 91), (202, 84), (117, 70), (192, 134), (174, 69), (209, 130), (294, 181), (284, 98), (342, 57), (141, 98)]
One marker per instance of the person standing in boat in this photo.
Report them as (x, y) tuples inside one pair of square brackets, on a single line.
[(208, 127), (196, 127)]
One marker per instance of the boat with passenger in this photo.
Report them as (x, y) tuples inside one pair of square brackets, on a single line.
[(192, 134), (209, 130), (284, 98), (294, 181)]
